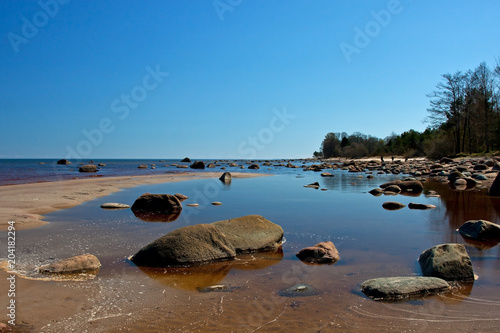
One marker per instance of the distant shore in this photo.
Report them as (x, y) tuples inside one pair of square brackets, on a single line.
[(27, 203)]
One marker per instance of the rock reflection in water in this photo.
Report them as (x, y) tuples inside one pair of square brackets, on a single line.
[(480, 245), (200, 277), (157, 217)]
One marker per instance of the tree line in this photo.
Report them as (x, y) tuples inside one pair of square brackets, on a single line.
[(463, 118)]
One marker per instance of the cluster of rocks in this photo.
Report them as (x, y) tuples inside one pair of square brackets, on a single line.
[(441, 265), (90, 167)]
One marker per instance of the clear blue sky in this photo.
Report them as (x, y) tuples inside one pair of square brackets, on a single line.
[(233, 66)]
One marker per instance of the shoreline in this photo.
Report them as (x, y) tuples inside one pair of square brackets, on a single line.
[(27, 203)]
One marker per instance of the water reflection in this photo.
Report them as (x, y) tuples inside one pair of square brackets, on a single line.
[(480, 245), (462, 206), (156, 217), (198, 278)]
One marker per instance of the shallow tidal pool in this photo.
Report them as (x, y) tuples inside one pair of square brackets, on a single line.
[(372, 242)]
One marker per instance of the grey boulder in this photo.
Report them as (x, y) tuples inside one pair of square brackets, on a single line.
[(449, 262), (480, 230), (393, 288)]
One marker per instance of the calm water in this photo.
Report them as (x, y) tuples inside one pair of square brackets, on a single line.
[(372, 242), (20, 171)]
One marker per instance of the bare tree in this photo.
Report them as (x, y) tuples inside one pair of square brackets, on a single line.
[(446, 105)]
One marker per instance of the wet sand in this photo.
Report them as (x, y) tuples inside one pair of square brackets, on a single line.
[(26, 203)]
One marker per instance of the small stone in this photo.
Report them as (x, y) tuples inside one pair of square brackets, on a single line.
[(114, 205), (413, 205), (73, 265), (392, 205), (88, 168), (216, 203), (298, 290), (226, 178), (376, 192), (313, 185), (192, 205), (181, 197)]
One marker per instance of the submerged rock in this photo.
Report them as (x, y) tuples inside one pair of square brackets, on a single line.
[(203, 243), (450, 262), (217, 288), (321, 253), (298, 290), (480, 230), (78, 264), (394, 288)]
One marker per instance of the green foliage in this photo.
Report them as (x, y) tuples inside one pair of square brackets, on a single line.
[(464, 117)]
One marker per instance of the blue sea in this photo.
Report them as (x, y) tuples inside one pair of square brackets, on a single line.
[(21, 171)]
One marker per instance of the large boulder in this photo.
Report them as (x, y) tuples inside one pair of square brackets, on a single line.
[(321, 253), (186, 160), (254, 166), (392, 288), (251, 233), (480, 230), (88, 168), (197, 165), (188, 245), (78, 264), (157, 207), (447, 261), (495, 187), (202, 243)]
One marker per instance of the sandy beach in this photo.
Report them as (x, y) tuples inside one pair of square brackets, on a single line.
[(27, 203)]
